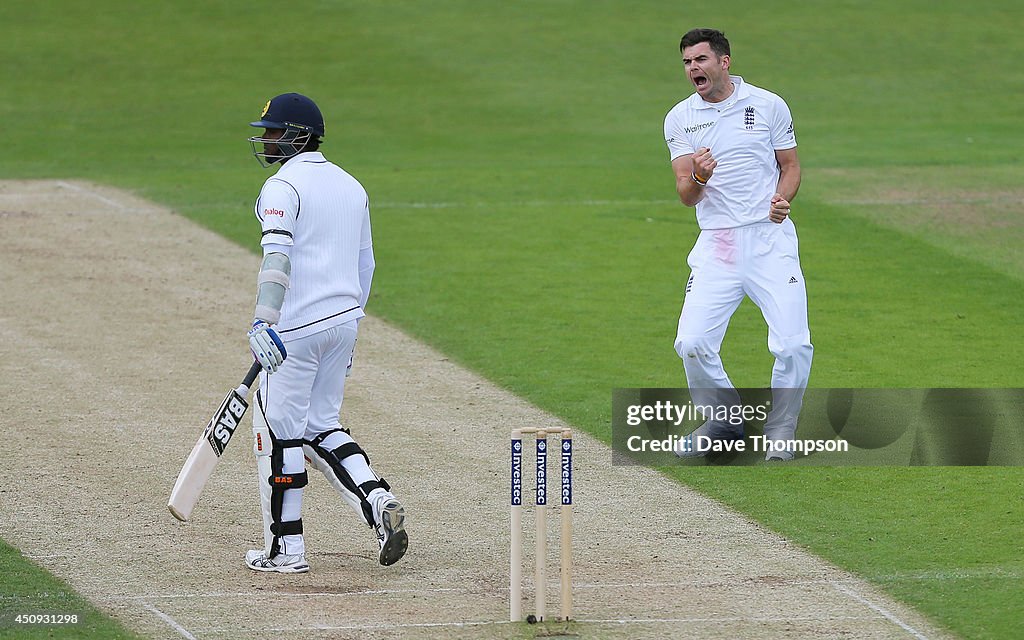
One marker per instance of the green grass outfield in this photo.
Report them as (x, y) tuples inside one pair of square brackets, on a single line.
[(29, 591), (525, 219)]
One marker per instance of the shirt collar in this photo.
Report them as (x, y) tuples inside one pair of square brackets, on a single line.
[(739, 93), (305, 156)]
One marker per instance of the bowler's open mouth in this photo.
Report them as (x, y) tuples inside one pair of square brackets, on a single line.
[(699, 81)]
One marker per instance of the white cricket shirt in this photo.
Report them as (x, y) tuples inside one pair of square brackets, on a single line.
[(316, 213), (743, 133)]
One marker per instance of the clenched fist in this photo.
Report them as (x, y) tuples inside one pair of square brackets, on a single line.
[(779, 209), (704, 164)]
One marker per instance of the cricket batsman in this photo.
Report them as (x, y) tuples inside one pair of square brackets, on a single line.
[(313, 283)]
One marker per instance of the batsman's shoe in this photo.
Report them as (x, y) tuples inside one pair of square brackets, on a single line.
[(389, 516), (697, 443), (257, 560)]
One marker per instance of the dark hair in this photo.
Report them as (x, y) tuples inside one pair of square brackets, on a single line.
[(312, 145), (715, 38)]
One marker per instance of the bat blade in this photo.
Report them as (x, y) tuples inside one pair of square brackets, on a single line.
[(206, 453)]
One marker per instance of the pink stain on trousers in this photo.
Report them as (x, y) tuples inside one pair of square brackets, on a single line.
[(725, 245)]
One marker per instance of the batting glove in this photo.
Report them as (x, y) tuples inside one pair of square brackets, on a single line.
[(266, 345)]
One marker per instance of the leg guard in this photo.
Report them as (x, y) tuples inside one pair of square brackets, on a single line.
[(328, 458), (262, 446), (272, 456)]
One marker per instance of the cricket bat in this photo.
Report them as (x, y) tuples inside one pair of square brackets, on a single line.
[(206, 454)]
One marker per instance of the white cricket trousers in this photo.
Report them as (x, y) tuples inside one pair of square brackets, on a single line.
[(302, 400), (303, 397), (761, 261)]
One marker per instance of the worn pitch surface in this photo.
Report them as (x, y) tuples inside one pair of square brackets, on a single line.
[(124, 327)]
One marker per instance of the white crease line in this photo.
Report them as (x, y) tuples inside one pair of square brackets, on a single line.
[(415, 625), (360, 627), (90, 192), (881, 610), (373, 592), (279, 594), (618, 621), (739, 581), (723, 619), (698, 583), (182, 631), (481, 623), (771, 581)]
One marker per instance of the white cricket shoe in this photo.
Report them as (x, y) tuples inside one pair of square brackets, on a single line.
[(257, 560), (777, 446), (689, 446), (781, 454), (389, 519)]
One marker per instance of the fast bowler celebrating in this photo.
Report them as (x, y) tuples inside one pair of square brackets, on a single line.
[(733, 151), (312, 287)]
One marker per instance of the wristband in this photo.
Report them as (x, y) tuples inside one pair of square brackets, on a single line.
[(697, 179)]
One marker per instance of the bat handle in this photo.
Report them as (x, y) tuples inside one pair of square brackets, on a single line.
[(254, 371)]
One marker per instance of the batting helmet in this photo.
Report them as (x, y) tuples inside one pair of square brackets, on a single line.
[(297, 116)]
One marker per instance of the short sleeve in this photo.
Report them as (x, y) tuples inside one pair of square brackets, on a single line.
[(677, 141), (365, 236), (783, 134), (277, 208)]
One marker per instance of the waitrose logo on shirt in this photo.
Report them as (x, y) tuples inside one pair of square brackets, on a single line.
[(698, 127)]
